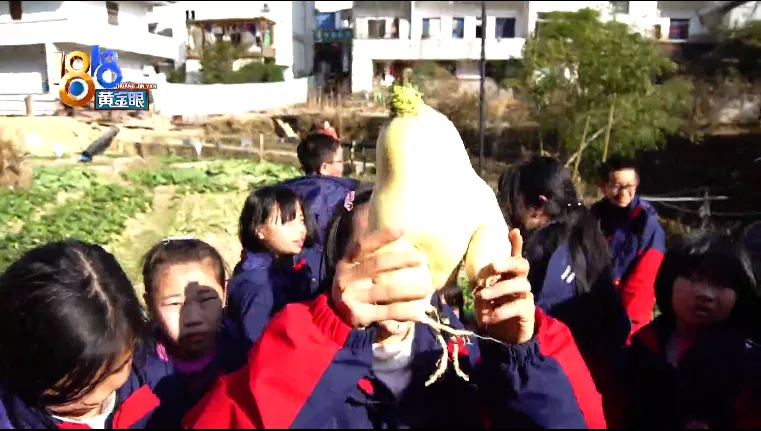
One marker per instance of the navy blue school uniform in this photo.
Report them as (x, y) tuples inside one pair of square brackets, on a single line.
[(322, 194), (5, 423), (721, 382), (637, 243), (654, 383), (262, 287), (597, 319), (310, 370), (178, 391), (135, 404)]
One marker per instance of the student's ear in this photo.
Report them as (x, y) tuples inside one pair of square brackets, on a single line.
[(259, 232), (323, 168)]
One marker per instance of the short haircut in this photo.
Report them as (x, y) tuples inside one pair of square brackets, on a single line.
[(314, 150), (615, 164)]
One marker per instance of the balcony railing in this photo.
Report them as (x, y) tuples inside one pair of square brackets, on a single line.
[(254, 36)]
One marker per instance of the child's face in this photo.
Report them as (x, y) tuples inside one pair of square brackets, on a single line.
[(187, 304), (90, 405), (283, 238), (698, 303)]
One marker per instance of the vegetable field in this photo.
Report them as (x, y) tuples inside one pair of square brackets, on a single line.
[(130, 211)]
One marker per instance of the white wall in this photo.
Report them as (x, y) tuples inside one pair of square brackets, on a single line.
[(411, 46), (84, 23), (214, 99), (332, 6), (294, 25), (22, 69)]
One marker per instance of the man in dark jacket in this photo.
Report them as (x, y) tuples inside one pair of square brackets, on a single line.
[(635, 237)]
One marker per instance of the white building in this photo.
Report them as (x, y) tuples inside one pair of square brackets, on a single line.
[(450, 30), (294, 26), (31, 32)]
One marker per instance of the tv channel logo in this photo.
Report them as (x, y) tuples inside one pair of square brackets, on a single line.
[(78, 86)]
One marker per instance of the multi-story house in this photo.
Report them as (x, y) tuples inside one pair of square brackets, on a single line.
[(31, 32), (388, 33), (332, 46), (282, 32)]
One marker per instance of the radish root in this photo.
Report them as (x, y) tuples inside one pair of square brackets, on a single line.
[(440, 327)]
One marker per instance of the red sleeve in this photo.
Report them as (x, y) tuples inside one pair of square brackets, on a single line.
[(556, 342), (224, 406), (283, 368), (638, 289)]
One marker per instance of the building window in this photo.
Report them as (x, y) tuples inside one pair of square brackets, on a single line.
[(505, 28), (113, 12), (479, 28), (376, 28), (16, 11), (620, 7), (431, 28), (395, 29), (679, 29), (458, 28), (657, 32)]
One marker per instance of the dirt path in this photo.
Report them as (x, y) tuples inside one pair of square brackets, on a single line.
[(143, 231), (212, 218)]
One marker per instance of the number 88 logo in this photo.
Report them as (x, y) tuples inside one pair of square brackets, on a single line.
[(108, 62)]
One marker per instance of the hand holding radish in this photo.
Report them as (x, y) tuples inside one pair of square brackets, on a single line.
[(366, 288), (506, 309)]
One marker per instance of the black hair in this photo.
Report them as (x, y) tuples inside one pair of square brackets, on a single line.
[(520, 187), (258, 208), (614, 164), (454, 297), (340, 230), (173, 251), (713, 258), (314, 150), (67, 312)]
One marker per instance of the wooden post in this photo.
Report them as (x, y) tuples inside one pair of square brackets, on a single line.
[(29, 105), (582, 144), (351, 156), (340, 117), (261, 147)]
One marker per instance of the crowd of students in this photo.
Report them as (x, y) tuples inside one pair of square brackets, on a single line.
[(306, 333)]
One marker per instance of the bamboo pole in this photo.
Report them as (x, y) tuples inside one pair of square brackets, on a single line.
[(610, 127)]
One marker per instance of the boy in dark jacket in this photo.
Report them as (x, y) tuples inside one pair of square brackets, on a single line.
[(321, 187), (635, 238)]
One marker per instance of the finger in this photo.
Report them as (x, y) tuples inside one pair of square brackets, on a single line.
[(505, 288), (383, 294), (375, 265), (401, 311), (507, 311), (516, 243), (510, 266), (372, 242)]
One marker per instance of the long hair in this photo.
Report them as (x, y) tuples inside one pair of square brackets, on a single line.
[(67, 312), (340, 230), (543, 182)]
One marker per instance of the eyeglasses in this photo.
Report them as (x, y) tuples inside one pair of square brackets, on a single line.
[(617, 188)]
